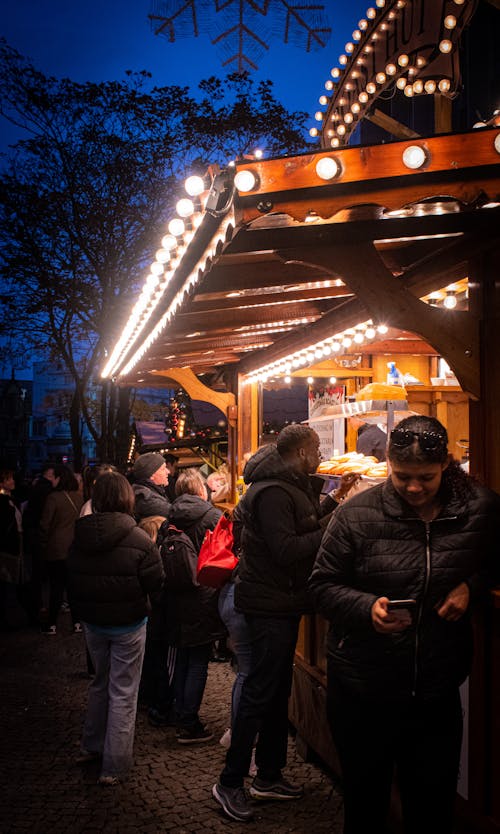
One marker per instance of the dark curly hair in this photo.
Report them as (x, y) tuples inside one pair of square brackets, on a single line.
[(422, 439)]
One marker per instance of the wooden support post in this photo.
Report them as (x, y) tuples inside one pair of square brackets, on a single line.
[(442, 114), (249, 428)]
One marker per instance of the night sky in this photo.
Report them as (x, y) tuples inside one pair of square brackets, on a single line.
[(96, 40), (100, 39)]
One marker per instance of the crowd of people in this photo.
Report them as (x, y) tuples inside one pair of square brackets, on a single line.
[(397, 570)]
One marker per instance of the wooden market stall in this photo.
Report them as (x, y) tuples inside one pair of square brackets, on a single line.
[(290, 265)]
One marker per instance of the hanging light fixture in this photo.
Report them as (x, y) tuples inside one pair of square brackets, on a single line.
[(450, 301)]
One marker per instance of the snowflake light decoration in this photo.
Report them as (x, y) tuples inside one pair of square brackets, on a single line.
[(240, 29)]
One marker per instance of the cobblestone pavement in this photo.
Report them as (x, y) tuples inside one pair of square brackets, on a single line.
[(43, 697)]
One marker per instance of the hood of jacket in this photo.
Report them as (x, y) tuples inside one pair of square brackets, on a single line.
[(267, 464), (187, 510), (100, 532)]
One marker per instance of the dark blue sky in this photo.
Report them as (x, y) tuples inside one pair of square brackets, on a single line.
[(100, 39)]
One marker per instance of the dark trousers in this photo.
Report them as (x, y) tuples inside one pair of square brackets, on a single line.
[(156, 688), (190, 678), (263, 707), (58, 579), (420, 740)]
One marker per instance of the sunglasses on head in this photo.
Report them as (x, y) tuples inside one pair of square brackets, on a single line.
[(428, 441)]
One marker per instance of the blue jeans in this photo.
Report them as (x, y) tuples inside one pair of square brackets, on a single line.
[(109, 725), (239, 634), (190, 677), (263, 707)]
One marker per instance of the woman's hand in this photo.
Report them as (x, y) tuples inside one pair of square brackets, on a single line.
[(388, 622), (455, 604)]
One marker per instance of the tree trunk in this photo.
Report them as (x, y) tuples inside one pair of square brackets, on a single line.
[(76, 433), (122, 427)]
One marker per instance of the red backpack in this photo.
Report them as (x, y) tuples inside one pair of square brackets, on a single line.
[(216, 560)]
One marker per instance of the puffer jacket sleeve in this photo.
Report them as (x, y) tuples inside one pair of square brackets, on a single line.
[(332, 582)]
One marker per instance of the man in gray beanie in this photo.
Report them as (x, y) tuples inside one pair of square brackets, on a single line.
[(149, 481)]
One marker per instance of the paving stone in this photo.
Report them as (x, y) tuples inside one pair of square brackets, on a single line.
[(44, 688)]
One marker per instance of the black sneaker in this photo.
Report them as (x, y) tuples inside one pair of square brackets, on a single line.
[(160, 719), (279, 789), (234, 802), (194, 735)]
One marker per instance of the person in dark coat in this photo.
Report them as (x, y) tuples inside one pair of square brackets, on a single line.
[(149, 482), (194, 616), (280, 535), (113, 569), (429, 535), (371, 439), (10, 538), (57, 525), (40, 490)]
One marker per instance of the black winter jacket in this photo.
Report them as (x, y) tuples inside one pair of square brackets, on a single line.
[(150, 499), (113, 567), (193, 614), (280, 536), (375, 545)]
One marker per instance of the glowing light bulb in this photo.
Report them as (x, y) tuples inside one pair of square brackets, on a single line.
[(401, 83), (403, 60), (194, 186), (333, 380), (327, 168), (445, 46), (245, 181), (430, 86), (363, 97), (371, 88), (185, 207), (391, 69), (450, 21), (450, 301), (176, 227), (313, 131), (380, 77), (310, 380), (414, 156), (444, 85), (382, 328)]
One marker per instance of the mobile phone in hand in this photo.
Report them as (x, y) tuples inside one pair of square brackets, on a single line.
[(404, 608)]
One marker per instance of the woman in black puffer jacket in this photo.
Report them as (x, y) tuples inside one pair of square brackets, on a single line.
[(113, 568), (429, 535), (193, 613)]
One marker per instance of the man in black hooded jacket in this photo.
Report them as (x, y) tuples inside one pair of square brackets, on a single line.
[(280, 536)]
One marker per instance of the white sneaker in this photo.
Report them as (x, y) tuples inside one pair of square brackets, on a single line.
[(225, 739)]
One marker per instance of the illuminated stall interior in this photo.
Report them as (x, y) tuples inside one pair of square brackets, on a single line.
[(327, 264)]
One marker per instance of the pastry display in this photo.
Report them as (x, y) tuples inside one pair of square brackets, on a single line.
[(354, 462)]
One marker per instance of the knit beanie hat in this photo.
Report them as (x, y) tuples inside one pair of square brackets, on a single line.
[(146, 465)]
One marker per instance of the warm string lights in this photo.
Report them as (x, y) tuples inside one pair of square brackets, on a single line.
[(181, 230), (402, 69), (336, 344), (339, 343), (188, 286)]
